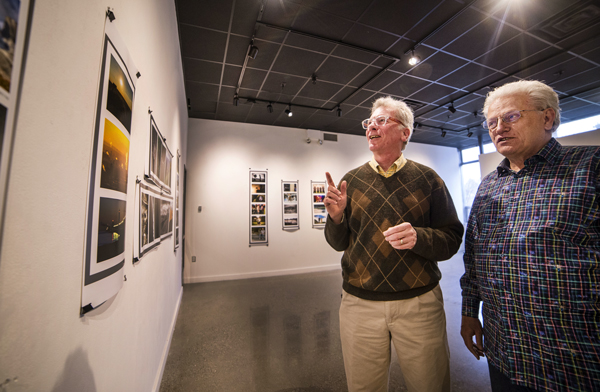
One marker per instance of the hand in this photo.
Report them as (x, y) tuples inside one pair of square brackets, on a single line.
[(403, 236), (470, 327), (335, 199)]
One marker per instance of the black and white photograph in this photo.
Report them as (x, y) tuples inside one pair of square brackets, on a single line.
[(258, 177), (290, 208), (160, 159), (156, 218)]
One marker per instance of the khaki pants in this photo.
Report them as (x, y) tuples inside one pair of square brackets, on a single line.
[(418, 332)]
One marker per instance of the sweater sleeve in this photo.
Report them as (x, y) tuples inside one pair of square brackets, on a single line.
[(338, 236), (442, 239)]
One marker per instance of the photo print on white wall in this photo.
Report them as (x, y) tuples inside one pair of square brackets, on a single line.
[(259, 234), (319, 214), (105, 238), (289, 197)]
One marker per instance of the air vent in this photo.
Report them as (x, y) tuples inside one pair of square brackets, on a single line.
[(571, 21), (330, 137)]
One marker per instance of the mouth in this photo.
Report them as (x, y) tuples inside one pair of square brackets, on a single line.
[(503, 139), (374, 137)]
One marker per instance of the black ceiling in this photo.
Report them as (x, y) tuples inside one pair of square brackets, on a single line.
[(358, 50)]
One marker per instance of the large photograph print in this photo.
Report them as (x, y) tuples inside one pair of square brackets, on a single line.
[(14, 18), (105, 236), (259, 234)]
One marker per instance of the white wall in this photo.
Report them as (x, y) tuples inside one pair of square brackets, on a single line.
[(44, 342), (219, 157), (489, 162)]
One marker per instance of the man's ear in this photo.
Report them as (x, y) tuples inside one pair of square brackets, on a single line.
[(549, 116)]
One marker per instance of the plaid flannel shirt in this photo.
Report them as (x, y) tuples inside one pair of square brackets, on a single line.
[(531, 256)]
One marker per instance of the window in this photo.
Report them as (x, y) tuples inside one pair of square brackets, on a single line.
[(578, 126)]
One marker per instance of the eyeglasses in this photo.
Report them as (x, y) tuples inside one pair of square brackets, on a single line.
[(507, 118), (379, 121)]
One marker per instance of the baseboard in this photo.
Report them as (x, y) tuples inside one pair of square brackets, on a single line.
[(165, 354), (262, 274)]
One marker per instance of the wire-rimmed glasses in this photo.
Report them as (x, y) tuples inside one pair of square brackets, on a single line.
[(507, 118)]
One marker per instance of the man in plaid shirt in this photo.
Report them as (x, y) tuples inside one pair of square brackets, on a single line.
[(532, 251)]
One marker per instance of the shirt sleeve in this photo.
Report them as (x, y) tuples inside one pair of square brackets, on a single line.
[(471, 298), (442, 239)]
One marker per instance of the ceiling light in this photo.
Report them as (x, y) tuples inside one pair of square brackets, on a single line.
[(414, 60), (253, 51), (339, 112), (235, 100), (288, 111), (270, 108), (314, 78), (451, 108), (443, 133)]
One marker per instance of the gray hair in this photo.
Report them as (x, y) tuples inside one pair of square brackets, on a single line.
[(539, 94), (400, 111)]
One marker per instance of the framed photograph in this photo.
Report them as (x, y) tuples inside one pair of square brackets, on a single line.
[(319, 214), (176, 242), (289, 192), (155, 218), (105, 237), (259, 234), (16, 16), (159, 165)]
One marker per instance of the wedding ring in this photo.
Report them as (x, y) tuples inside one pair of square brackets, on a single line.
[(401, 241)]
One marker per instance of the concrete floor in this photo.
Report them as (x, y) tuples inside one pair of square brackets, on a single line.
[(282, 334)]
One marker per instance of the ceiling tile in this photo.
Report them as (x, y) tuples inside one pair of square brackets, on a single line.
[(287, 62), (193, 12), (437, 66), (190, 36), (481, 39), (202, 71)]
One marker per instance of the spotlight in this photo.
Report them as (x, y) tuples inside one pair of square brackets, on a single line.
[(339, 111), (414, 60), (270, 108), (189, 104), (314, 78), (236, 100), (451, 108), (253, 50), (288, 111), (443, 133)]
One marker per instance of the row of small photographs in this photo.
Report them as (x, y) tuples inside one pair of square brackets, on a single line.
[(290, 221), (258, 209), (259, 234), (258, 177), (290, 187), (258, 188), (258, 221), (318, 188), (290, 197)]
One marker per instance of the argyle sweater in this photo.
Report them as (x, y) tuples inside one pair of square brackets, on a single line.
[(372, 269)]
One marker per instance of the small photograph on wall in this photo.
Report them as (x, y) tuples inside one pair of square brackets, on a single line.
[(115, 158), (160, 158), (120, 94), (111, 229), (258, 208), (156, 218), (319, 214), (289, 190)]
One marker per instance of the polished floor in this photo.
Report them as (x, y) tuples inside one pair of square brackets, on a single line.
[(282, 334)]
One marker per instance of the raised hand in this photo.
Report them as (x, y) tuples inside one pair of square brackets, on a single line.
[(335, 199)]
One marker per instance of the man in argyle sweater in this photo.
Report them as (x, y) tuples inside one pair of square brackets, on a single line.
[(394, 219)]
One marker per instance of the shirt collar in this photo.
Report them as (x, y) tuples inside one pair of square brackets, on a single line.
[(549, 153), (400, 162)]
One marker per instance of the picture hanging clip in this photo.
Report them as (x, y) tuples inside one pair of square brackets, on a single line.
[(110, 15), (138, 74), (149, 111), (137, 180)]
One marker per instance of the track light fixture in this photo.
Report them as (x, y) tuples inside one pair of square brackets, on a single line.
[(253, 52), (314, 78), (236, 100), (451, 108), (270, 108), (288, 111), (414, 60), (443, 133), (339, 111)]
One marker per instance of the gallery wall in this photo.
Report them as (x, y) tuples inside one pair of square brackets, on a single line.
[(44, 342), (220, 155)]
